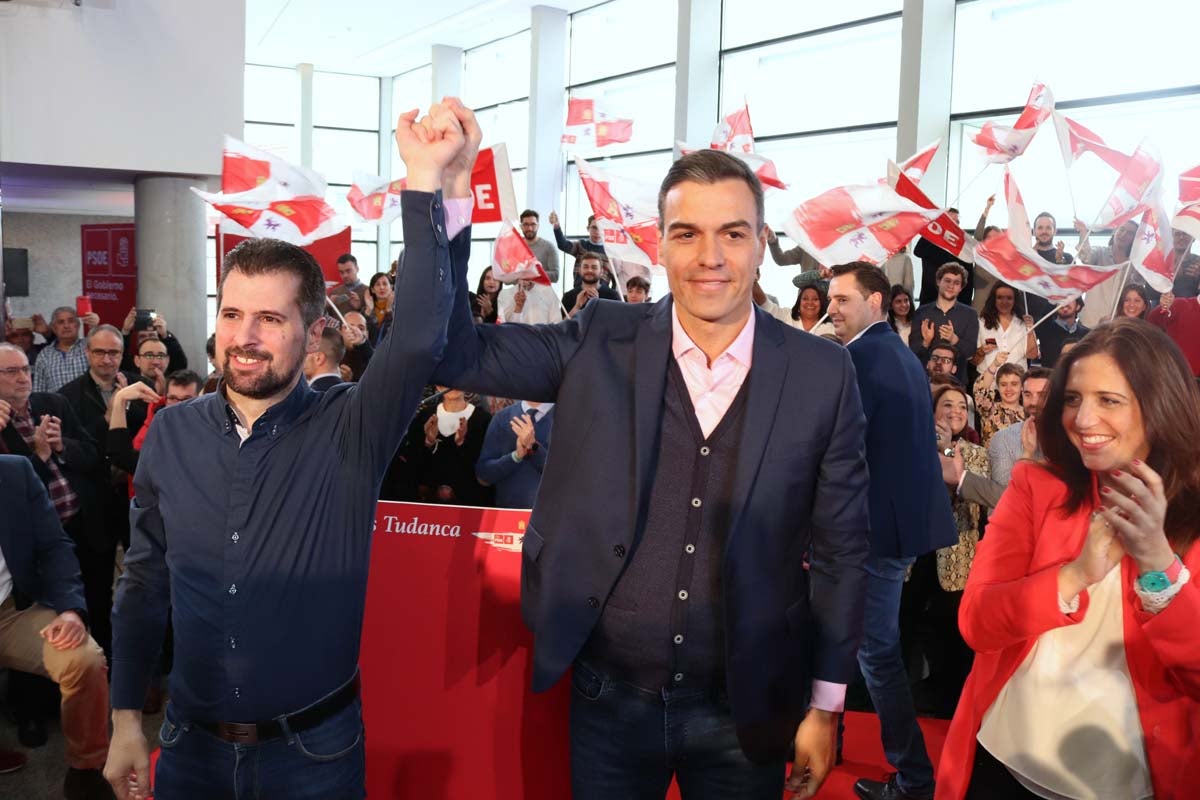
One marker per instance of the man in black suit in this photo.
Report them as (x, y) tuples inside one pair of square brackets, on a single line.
[(702, 646), (42, 427), (910, 511), (321, 366), (43, 622)]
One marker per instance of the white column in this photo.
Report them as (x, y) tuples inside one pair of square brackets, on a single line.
[(547, 109), (926, 66), (697, 70), (387, 150), (306, 113), (169, 242), (447, 72)]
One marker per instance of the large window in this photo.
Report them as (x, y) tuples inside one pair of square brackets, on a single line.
[(639, 28), (750, 21), (497, 72)]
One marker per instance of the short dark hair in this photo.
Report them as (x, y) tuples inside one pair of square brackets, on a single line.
[(942, 344), (210, 346), (529, 212), (591, 219), (637, 282), (1037, 373), (951, 210), (592, 255), (266, 256), (344, 257), (1048, 216), (708, 167), (949, 267), (185, 377), (333, 345), (870, 279), (1010, 368)]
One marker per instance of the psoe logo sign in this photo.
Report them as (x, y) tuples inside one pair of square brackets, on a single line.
[(415, 527), (509, 541)]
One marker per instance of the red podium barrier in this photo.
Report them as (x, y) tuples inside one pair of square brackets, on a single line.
[(446, 662)]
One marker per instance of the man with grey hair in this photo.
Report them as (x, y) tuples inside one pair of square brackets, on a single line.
[(65, 359), (702, 647)]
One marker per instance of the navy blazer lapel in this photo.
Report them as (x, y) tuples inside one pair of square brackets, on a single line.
[(652, 349), (768, 373)]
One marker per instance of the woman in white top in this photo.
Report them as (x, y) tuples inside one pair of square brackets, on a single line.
[(900, 311), (1001, 330), (809, 309), (529, 302)]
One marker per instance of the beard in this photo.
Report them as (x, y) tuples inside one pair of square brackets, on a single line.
[(270, 382)]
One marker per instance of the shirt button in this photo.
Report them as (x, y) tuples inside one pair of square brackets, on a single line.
[(237, 692), (233, 643), (235, 537), (696, 502), (274, 429), (233, 588), (678, 677), (619, 551), (679, 638), (704, 450), (683, 594), (594, 602), (689, 549)]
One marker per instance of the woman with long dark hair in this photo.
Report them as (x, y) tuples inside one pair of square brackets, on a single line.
[(1081, 606), (1135, 302), (1001, 330), (379, 316), (485, 301), (900, 311)]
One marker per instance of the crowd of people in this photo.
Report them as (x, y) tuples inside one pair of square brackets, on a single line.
[(1023, 540)]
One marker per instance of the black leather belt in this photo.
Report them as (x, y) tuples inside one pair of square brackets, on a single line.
[(314, 715)]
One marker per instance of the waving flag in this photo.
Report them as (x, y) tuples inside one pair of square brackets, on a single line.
[(942, 231), (1074, 140), (1134, 191), (512, 260), (1153, 252), (1189, 186), (918, 163), (266, 214), (375, 199), (244, 168), (857, 223), (1012, 259), (736, 136), (1002, 143), (588, 125), (626, 212), (1188, 220)]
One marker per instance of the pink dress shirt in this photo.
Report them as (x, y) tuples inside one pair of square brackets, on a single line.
[(712, 389)]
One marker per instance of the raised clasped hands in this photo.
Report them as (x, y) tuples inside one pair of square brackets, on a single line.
[(439, 150)]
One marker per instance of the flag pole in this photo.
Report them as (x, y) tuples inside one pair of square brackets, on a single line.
[(1120, 289), (336, 310), (970, 183), (1051, 314)]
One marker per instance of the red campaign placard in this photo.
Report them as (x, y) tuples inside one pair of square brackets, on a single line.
[(446, 662), (326, 251), (109, 270)]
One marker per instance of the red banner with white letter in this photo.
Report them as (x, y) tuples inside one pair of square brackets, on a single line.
[(326, 251), (109, 270)]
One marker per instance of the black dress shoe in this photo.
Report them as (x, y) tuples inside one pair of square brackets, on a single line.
[(31, 732), (879, 790), (86, 784)]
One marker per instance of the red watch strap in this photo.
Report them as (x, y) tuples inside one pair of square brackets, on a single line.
[(1172, 572)]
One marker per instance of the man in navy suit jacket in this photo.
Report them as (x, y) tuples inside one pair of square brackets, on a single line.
[(42, 621), (703, 453), (910, 510)]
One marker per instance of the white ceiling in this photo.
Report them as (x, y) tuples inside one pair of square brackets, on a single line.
[(378, 37)]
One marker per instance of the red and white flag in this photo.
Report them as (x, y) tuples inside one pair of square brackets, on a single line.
[(1074, 140), (916, 165), (266, 214), (735, 136), (591, 126), (1188, 220), (1153, 252), (857, 223), (626, 212), (244, 168), (1012, 258), (942, 231), (375, 199), (1135, 190), (512, 260), (1002, 143), (1189, 186)]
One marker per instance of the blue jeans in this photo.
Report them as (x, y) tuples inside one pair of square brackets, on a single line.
[(325, 762), (627, 742), (882, 666)]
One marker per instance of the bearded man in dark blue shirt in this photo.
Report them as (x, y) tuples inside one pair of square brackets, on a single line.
[(253, 514)]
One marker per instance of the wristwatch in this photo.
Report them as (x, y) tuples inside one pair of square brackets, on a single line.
[(1160, 581)]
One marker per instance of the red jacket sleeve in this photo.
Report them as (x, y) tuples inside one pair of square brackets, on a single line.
[(1172, 632), (1005, 602)]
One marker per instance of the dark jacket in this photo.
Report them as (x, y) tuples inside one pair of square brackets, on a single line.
[(910, 510), (39, 555), (798, 488)]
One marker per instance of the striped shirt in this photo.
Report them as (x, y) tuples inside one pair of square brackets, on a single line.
[(54, 368)]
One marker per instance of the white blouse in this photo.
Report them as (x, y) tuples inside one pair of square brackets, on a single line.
[(1012, 339)]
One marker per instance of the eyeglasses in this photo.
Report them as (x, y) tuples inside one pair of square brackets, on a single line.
[(12, 372), (105, 353), (154, 356), (941, 360)]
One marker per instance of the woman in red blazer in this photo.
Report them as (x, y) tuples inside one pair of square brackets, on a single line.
[(1081, 604)]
